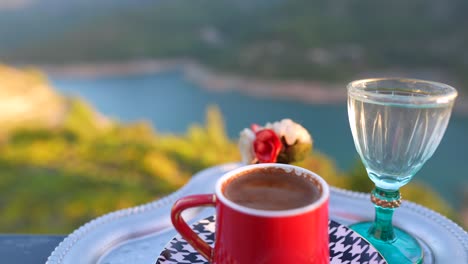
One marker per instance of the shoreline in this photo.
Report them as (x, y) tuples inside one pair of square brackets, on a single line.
[(313, 92)]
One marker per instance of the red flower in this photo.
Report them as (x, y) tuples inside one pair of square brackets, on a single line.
[(267, 145)]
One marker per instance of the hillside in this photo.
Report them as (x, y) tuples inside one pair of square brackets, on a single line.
[(54, 176)]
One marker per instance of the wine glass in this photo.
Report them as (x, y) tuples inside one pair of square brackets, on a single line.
[(397, 125)]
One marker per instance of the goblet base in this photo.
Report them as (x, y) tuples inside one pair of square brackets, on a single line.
[(402, 250)]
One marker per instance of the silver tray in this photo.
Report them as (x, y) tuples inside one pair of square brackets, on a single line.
[(137, 235)]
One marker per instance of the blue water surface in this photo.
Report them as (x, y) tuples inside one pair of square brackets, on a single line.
[(172, 104)]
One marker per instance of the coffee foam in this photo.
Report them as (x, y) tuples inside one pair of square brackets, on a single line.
[(262, 180), (322, 187), (287, 170)]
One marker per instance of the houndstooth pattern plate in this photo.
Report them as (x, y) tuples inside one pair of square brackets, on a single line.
[(346, 246)]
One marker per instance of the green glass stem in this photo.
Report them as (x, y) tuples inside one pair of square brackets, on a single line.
[(385, 202), (397, 246)]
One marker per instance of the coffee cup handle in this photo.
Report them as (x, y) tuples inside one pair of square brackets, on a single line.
[(184, 230)]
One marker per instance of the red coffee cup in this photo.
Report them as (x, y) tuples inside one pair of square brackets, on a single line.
[(252, 236)]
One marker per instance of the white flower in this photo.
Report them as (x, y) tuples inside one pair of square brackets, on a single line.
[(291, 131), (246, 139)]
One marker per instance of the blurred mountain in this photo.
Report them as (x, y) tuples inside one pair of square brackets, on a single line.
[(35, 5), (27, 23), (305, 39)]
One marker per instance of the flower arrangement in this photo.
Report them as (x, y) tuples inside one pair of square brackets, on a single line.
[(283, 142)]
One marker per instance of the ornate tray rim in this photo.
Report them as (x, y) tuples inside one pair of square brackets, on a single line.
[(64, 247)]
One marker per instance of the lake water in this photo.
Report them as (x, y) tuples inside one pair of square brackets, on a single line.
[(172, 103)]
